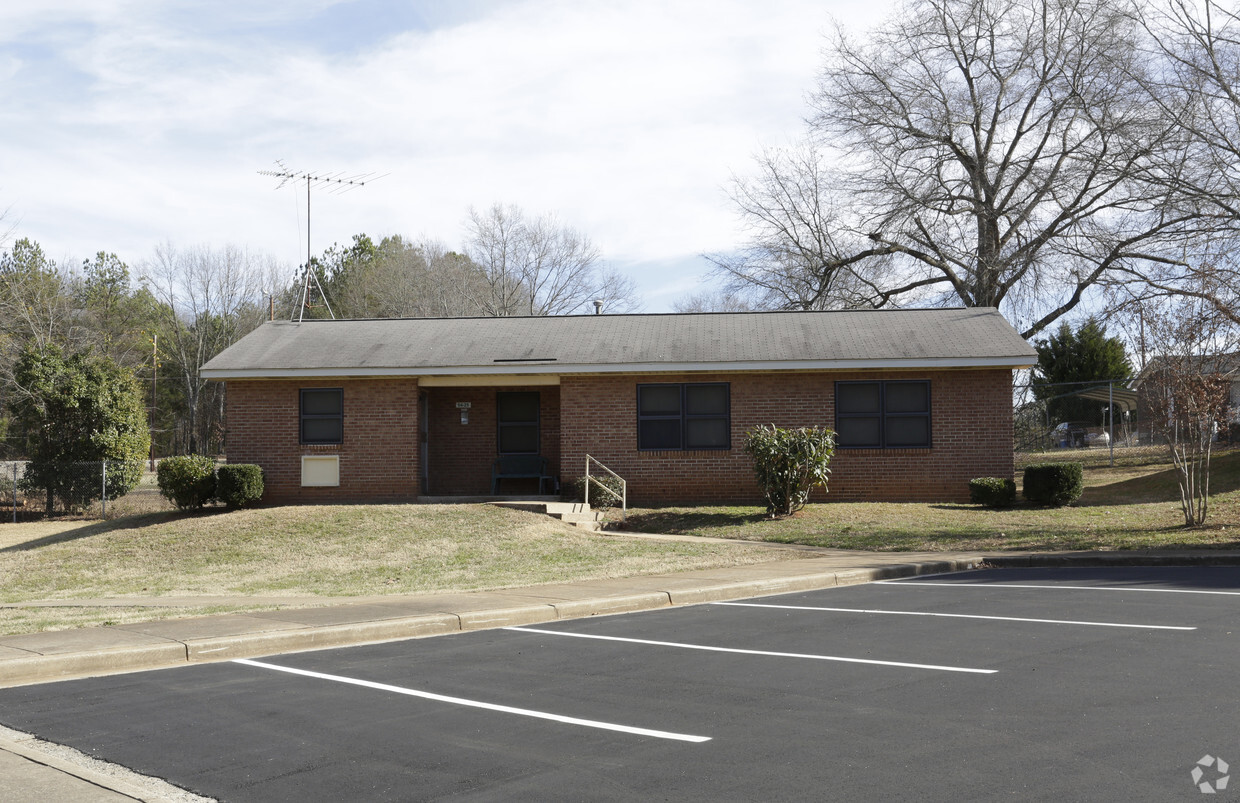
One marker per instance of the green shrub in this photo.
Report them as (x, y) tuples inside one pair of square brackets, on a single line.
[(1054, 484), (239, 484), (188, 481), (599, 500), (789, 463), (992, 491)]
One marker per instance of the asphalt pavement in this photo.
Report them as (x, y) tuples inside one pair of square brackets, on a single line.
[(29, 772)]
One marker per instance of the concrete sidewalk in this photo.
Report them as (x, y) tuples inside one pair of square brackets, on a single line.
[(65, 654), (335, 622)]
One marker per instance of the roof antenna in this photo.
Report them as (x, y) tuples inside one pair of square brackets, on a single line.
[(598, 306), (335, 182)]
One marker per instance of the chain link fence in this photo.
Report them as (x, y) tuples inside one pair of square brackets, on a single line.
[(1092, 417), (98, 489), (1097, 423)]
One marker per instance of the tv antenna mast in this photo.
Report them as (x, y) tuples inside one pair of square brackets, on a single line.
[(337, 183)]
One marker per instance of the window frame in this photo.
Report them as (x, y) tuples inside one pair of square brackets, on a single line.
[(683, 417), (500, 424), (884, 415), (304, 416)]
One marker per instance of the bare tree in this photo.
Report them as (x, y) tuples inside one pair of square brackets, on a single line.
[(1194, 81), (424, 280), (539, 266), (994, 152), (718, 300), (6, 230), (452, 283), (802, 250), (401, 278), (1187, 389), (209, 299), (35, 302)]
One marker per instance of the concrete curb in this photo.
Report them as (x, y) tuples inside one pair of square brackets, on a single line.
[(63, 655), (275, 636), (1084, 559), (70, 780)]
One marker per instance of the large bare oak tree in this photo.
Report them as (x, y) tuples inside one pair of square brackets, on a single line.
[(999, 153)]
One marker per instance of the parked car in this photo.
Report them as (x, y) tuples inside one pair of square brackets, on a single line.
[(1070, 435), (1079, 435)]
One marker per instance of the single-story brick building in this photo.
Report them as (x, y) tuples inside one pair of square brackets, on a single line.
[(397, 409)]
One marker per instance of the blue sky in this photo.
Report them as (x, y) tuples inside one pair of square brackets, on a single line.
[(130, 123)]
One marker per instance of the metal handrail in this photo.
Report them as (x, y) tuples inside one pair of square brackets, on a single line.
[(624, 487)]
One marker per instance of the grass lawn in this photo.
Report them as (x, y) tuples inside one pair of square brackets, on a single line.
[(1134, 505), (330, 551)]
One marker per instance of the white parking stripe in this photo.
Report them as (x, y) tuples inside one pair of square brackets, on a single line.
[(1056, 587), (954, 616), (754, 652), (525, 712)]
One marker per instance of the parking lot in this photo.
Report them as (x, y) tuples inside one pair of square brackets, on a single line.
[(1027, 684)]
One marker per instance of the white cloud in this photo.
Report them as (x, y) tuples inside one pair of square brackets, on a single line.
[(625, 119)]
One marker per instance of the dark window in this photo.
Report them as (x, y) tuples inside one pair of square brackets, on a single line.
[(518, 422), (683, 417), (882, 415), (322, 415)]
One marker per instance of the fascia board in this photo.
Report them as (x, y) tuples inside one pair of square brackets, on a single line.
[(623, 368)]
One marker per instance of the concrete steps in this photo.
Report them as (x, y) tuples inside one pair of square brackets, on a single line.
[(575, 513)]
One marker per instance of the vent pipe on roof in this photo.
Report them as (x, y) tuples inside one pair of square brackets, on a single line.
[(598, 306)]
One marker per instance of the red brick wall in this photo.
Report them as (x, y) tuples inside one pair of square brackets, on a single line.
[(971, 421), (378, 456), (461, 455)]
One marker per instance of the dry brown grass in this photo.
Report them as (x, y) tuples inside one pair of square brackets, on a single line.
[(38, 620), (328, 551), (1131, 506)]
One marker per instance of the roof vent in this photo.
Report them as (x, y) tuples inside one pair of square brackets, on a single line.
[(598, 306)]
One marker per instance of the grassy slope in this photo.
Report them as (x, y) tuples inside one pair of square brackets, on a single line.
[(330, 551), (1127, 507)]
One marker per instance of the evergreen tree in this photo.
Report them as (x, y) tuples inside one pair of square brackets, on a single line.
[(79, 409), (1069, 360)]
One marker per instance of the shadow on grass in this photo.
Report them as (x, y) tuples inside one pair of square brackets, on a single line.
[(680, 522), (95, 528), (1163, 486)]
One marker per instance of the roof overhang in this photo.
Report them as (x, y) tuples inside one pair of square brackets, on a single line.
[(551, 368)]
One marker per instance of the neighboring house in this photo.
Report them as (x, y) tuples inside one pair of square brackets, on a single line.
[(401, 408), (1150, 381)]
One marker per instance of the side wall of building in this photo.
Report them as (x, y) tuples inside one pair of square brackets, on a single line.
[(379, 449), (971, 420)]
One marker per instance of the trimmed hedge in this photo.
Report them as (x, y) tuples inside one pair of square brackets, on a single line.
[(187, 481), (1054, 484), (239, 484), (993, 491)]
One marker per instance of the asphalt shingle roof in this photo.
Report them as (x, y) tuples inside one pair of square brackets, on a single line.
[(583, 343)]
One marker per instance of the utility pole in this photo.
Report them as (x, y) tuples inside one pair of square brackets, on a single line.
[(154, 388), (335, 182)]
